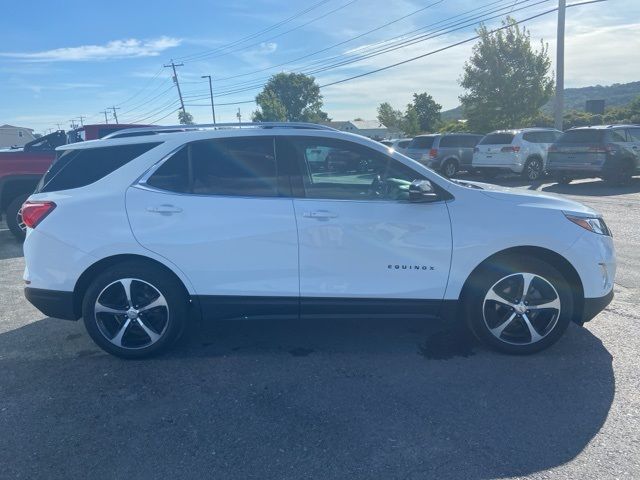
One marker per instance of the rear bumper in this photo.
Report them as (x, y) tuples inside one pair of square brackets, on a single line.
[(53, 303), (513, 167), (593, 306)]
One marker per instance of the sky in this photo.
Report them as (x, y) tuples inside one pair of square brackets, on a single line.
[(63, 60)]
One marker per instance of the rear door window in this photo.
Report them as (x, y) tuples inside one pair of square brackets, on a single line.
[(617, 136), (242, 166), (634, 134), (78, 168), (422, 142), (497, 139)]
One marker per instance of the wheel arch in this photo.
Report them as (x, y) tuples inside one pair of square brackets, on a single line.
[(83, 282), (556, 260)]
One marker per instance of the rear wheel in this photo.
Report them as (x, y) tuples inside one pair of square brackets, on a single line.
[(14, 217), (533, 169), (518, 305), (449, 168), (135, 310)]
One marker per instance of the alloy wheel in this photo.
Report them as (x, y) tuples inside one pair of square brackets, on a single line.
[(450, 169), (533, 169), (131, 313), (521, 308), (20, 221)]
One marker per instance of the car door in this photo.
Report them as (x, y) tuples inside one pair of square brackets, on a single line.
[(363, 247), (633, 134), (217, 211)]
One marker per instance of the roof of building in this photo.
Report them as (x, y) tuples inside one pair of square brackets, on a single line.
[(368, 124), (7, 126)]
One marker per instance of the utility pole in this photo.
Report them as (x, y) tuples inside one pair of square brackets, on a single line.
[(115, 115), (81, 120), (213, 110), (73, 124), (106, 120), (239, 115), (175, 80), (559, 100), (59, 127)]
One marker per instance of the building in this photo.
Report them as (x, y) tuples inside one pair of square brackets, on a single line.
[(367, 128), (11, 136)]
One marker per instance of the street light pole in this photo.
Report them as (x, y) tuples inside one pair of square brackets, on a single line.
[(559, 100), (213, 110)]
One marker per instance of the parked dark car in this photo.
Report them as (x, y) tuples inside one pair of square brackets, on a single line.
[(611, 152), (447, 153)]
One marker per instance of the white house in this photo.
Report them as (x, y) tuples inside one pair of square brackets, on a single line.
[(11, 136), (367, 128)]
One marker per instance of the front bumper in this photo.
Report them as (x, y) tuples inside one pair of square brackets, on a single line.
[(593, 306), (53, 303)]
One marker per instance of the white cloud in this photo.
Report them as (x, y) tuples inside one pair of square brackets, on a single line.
[(129, 48)]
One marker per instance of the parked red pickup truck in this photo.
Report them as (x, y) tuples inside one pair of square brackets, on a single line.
[(21, 168)]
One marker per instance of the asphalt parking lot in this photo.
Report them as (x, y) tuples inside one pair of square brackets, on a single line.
[(327, 399)]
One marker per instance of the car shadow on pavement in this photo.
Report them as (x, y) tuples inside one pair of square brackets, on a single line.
[(9, 246), (595, 188), (288, 399)]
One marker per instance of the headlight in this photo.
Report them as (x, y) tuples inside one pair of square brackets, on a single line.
[(593, 224)]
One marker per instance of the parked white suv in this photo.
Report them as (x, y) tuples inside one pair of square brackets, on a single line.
[(522, 151), (135, 234)]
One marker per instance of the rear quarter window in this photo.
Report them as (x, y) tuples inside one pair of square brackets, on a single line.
[(78, 168), (422, 142), (497, 139), (451, 141)]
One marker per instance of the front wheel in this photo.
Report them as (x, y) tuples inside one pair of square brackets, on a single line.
[(14, 217), (134, 310), (619, 173), (519, 305)]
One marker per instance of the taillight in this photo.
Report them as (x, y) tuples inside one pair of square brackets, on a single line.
[(34, 212), (433, 152), (510, 149)]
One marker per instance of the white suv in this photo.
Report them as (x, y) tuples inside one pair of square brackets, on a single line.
[(522, 151), (134, 234)]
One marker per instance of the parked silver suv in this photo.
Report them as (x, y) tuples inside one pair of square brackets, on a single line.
[(447, 153), (522, 151)]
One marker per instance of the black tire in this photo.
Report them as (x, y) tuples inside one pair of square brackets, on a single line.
[(564, 179), (14, 217), (480, 314), (166, 322), (533, 169), (618, 173), (449, 168)]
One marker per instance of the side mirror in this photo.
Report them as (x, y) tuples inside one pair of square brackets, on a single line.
[(421, 191)]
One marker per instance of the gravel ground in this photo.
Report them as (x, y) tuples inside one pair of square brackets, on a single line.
[(327, 399)]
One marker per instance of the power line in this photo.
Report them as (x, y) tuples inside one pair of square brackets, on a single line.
[(256, 34)]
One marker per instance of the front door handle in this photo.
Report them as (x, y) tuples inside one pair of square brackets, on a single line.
[(164, 209), (320, 215)]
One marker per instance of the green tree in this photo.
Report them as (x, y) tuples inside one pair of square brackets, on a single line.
[(411, 121), (452, 126), (506, 79), (292, 97), (185, 118), (428, 111), (390, 117)]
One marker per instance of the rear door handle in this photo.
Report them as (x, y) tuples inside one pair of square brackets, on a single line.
[(164, 209), (320, 214)]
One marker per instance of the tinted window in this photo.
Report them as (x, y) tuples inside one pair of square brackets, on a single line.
[(617, 136), (422, 142), (634, 134), (531, 137), (404, 143), (78, 168), (582, 136), (347, 171), (233, 166), (497, 139), (451, 141)]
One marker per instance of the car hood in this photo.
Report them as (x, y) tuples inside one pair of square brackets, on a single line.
[(531, 198)]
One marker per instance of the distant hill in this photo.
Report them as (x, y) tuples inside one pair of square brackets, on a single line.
[(615, 95)]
